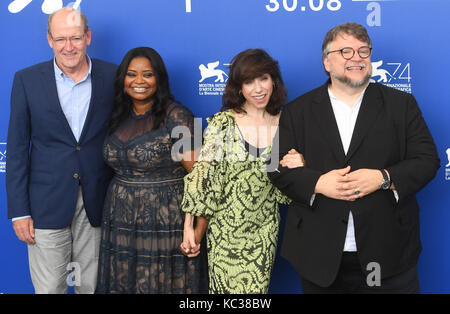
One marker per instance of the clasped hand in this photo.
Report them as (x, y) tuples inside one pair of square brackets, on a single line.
[(342, 184)]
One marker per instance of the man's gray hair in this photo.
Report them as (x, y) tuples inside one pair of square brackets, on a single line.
[(353, 29), (82, 19)]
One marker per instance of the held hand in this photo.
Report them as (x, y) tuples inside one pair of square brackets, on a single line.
[(293, 159), (198, 235), (328, 184), (366, 181), (24, 229), (189, 247)]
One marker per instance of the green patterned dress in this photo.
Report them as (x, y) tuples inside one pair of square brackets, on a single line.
[(229, 187)]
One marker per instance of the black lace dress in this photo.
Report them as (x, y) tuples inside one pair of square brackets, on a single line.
[(142, 225)]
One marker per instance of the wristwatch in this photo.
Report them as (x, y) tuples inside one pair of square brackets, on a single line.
[(386, 184)]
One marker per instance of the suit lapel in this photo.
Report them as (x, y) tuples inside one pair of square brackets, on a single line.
[(97, 85), (49, 83), (324, 115), (370, 108)]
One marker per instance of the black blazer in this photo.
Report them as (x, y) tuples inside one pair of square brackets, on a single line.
[(389, 133), (45, 164)]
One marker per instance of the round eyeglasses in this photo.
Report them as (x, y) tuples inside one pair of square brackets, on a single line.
[(348, 52)]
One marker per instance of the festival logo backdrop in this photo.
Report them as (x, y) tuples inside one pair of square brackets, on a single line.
[(447, 166), (2, 157), (393, 74), (215, 79)]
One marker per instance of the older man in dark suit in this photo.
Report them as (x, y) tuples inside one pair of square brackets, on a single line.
[(368, 152), (55, 175)]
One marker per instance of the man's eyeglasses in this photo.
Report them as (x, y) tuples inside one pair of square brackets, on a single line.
[(348, 52), (74, 40)]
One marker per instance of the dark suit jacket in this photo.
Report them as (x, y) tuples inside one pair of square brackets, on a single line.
[(390, 133), (45, 164)]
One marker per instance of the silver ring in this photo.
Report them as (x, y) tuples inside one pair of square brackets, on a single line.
[(357, 191)]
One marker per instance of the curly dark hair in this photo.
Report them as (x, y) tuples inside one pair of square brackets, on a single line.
[(246, 66), (122, 101)]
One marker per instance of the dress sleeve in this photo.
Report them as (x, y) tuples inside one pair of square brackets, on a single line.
[(281, 198), (203, 186)]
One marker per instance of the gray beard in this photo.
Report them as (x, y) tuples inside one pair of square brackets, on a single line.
[(349, 82)]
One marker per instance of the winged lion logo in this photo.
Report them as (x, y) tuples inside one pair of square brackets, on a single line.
[(211, 71)]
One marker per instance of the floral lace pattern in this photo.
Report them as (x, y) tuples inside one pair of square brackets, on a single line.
[(142, 224)]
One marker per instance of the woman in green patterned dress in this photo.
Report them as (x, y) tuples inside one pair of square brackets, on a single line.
[(228, 189)]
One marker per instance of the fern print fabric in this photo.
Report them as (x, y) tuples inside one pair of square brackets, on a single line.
[(229, 187)]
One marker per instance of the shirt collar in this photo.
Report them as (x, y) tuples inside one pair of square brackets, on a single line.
[(61, 76), (358, 101)]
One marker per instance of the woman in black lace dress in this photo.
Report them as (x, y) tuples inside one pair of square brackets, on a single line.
[(142, 221)]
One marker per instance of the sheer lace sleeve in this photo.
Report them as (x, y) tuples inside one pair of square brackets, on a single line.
[(182, 126)]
